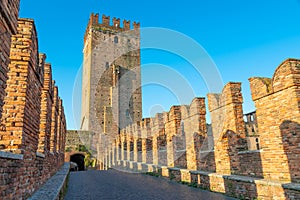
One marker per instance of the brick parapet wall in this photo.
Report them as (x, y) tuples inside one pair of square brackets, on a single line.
[(46, 103), (278, 117), (23, 92), (194, 128), (25, 160), (54, 117), (228, 128), (225, 164), (172, 128), (46, 111), (157, 129), (8, 26)]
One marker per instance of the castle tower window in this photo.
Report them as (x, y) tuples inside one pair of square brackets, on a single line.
[(116, 39), (107, 65)]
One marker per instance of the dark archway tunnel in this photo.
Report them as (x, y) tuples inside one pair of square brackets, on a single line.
[(79, 160)]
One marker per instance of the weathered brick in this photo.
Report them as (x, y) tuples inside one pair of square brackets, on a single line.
[(230, 164), (278, 115), (25, 158)]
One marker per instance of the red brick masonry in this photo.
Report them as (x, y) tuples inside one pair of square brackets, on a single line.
[(178, 144), (33, 125)]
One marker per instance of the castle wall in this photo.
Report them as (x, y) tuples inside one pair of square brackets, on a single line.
[(157, 130), (25, 158), (46, 105), (278, 116), (229, 135), (8, 27), (226, 160)]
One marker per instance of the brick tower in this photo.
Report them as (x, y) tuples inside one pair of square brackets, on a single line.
[(111, 80)]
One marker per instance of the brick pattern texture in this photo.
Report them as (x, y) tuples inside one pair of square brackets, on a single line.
[(32, 138), (180, 145)]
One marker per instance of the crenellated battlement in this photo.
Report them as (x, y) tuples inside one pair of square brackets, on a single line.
[(224, 155), (285, 76), (32, 137), (108, 24)]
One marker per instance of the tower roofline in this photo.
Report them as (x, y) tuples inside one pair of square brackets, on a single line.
[(114, 25)]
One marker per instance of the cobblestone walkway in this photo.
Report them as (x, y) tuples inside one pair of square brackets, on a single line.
[(112, 184)]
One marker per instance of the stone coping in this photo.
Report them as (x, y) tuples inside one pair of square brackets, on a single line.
[(39, 154), (174, 168), (202, 173), (207, 151), (245, 179), (238, 178), (250, 151), (162, 150), (51, 189), (4, 154), (291, 186)]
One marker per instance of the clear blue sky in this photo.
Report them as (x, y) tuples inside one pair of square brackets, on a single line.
[(243, 38)]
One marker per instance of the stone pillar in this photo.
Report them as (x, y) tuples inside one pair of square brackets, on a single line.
[(122, 145), (277, 103), (98, 157), (102, 166), (137, 145), (117, 141), (128, 139), (128, 147), (143, 141), (170, 151), (101, 163), (106, 159), (113, 154), (59, 133), (228, 127), (179, 144), (157, 127), (162, 141), (155, 150), (144, 133), (194, 125), (109, 156), (53, 137), (172, 127), (135, 149), (144, 151), (46, 108)]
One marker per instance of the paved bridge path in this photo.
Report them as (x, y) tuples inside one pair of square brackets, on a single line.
[(112, 184)]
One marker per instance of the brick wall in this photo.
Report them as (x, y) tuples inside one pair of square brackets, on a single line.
[(228, 128), (26, 159), (277, 101), (221, 157), (8, 26)]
